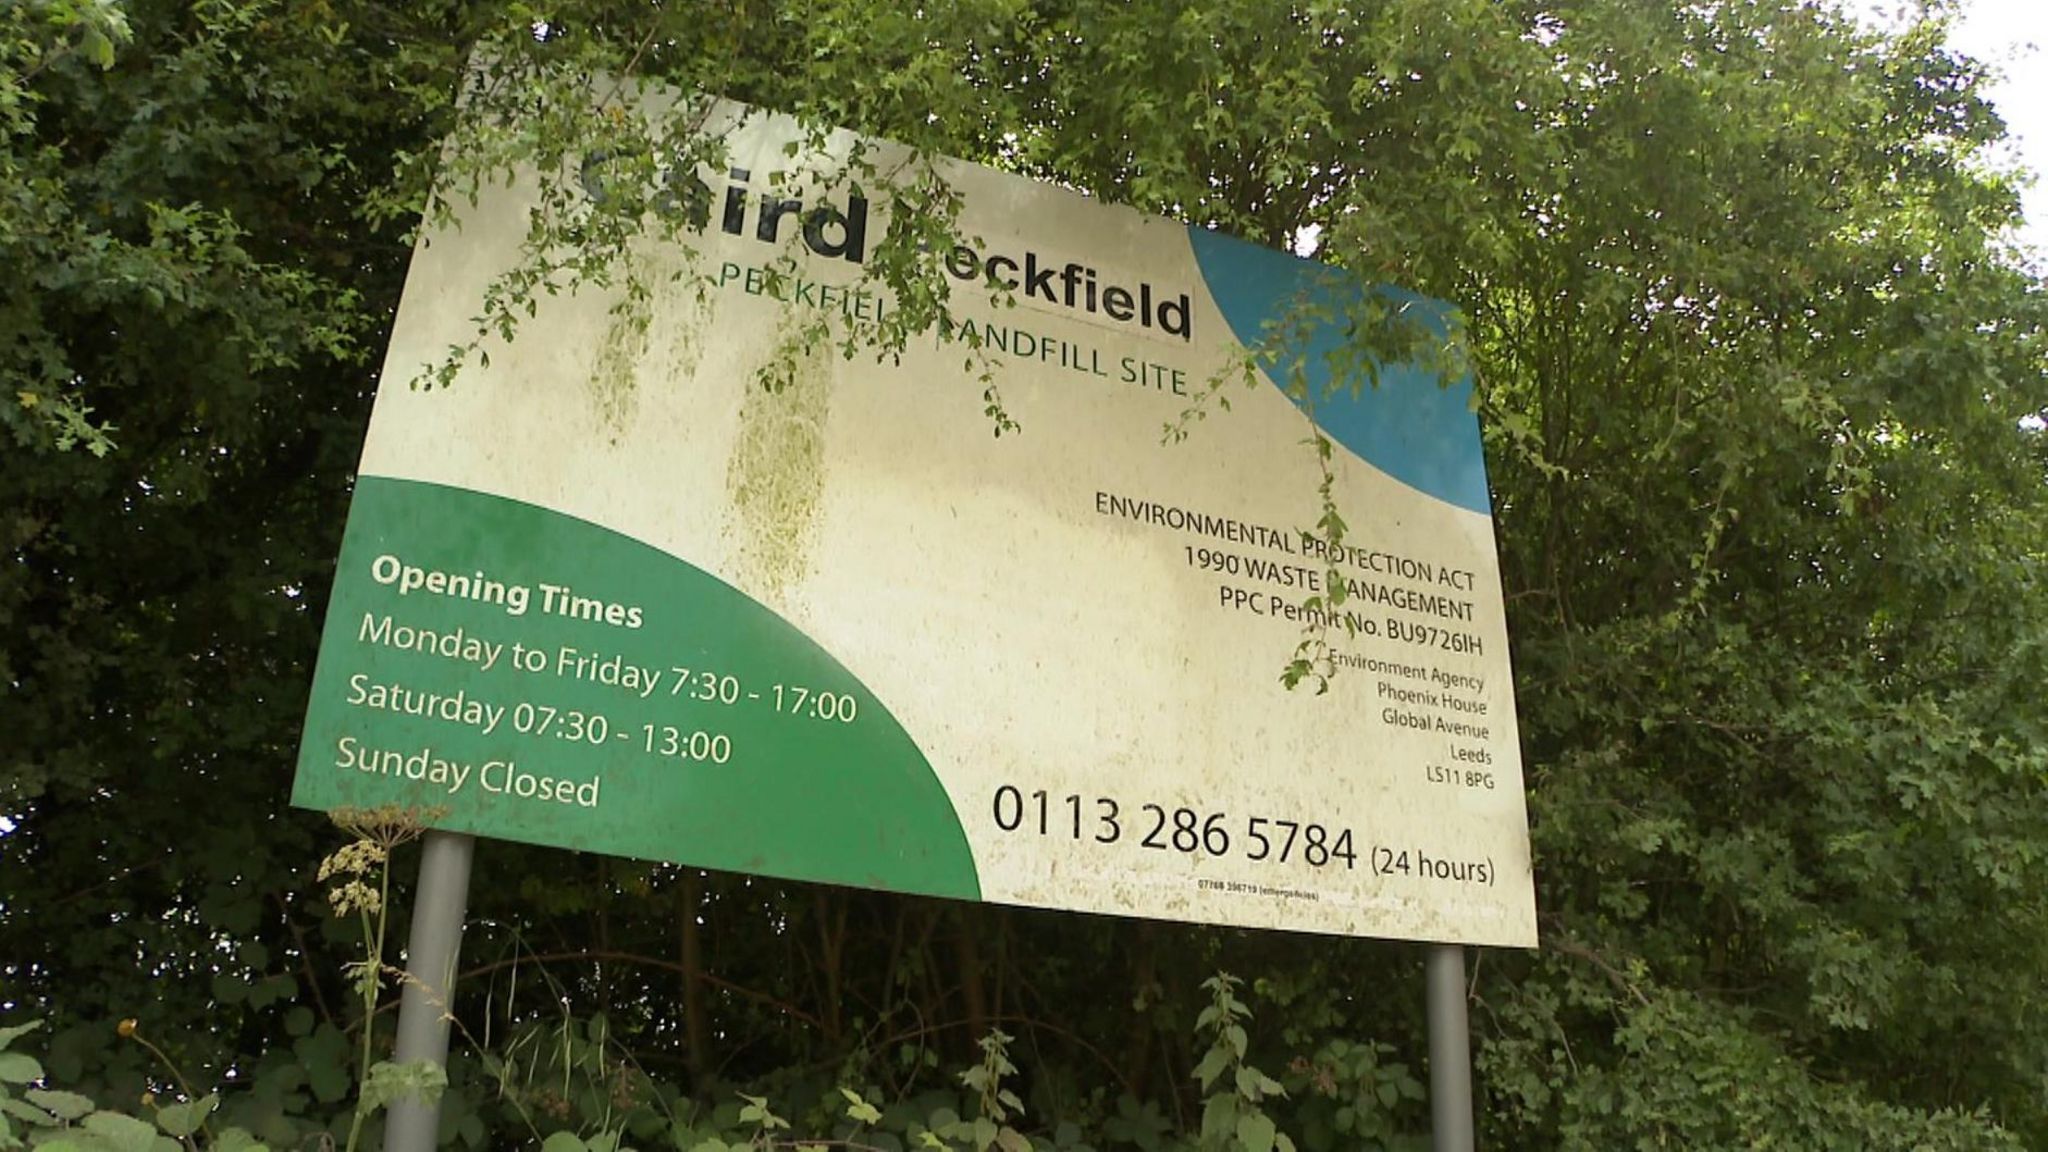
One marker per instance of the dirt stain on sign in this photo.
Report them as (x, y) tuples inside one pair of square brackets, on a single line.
[(665, 281), (614, 381), (776, 476)]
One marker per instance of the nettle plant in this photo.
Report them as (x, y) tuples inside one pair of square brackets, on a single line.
[(60, 1121), (571, 1086), (35, 1114), (985, 1118)]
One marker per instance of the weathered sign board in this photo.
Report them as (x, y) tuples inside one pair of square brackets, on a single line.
[(609, 594)]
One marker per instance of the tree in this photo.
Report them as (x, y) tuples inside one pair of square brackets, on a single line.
[(1764, 393)]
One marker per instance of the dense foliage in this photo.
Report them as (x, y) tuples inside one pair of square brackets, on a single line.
[(1764, 393)]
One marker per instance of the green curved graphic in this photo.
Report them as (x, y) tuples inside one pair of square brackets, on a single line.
[(817, 780)]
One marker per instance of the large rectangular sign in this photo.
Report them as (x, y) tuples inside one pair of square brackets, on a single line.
[(608, 593)]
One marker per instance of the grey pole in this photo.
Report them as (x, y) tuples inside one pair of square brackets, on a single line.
[(431, 948), (1450, 1051)]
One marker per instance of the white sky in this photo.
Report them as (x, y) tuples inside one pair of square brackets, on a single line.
[(2010, 36)]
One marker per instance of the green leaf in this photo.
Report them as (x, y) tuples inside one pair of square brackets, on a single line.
[(98, 48), (1212, 1066), (859, 1110), (757, 1112), (420, 1081), (324, 1056), (62, 1105), (19, 1068), (23, 1110), (1219, 1118), (272, 990), (182, 1120), (564, 1141), (11, 1034), (238, 1140), (1255, 1132), (121, 1133), (229, 988)]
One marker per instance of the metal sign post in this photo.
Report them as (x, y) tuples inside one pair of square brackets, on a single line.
[(1450, 1051), (432, 946)]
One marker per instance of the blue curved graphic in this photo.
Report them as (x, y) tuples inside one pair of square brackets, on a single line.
[(1412, 427)]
